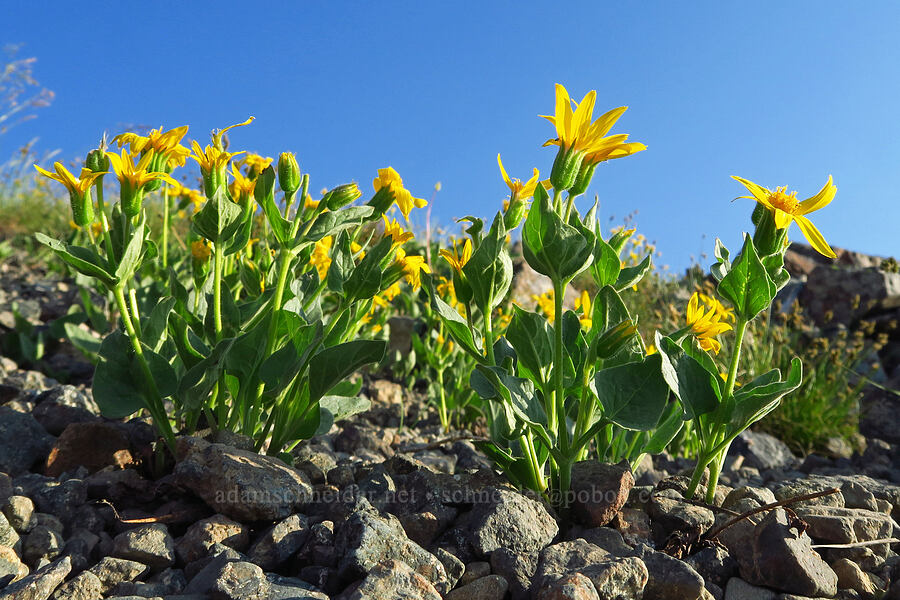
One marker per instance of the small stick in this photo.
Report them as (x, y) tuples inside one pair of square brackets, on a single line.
[(712, 533)]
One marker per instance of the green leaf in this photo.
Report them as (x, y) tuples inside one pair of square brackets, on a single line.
[(85, 340), (551, 247), (608, 310), (120, 387), (630, 276), (338, 408), (341, 263), (83, 260), (669, 426), (633, 395), (366, 278), (197, 384), (606, 265), (190, 347), (689, 380), (455, 324), (489, 270), (722, 265), (532, 338), (330, 222), (264, 192), (747, 285), (155, 325), (280, 369), (518, 392), (131, 258), (332, 365), (219, 219), (761, 396), (248, 351)]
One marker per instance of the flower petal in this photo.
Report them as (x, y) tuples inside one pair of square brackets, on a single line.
[(820, 200), (814, 237), (759, 192)]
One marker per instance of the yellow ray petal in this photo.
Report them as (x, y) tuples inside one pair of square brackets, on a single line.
[(820, 200), (814, 237)]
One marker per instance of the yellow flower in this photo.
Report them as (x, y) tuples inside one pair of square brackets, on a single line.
[(200, 250), (77, 186), (575, 131), (390, 179), (255, 163), (177, 190), (309, 203), (517, 189), (707, 318), (242, 186), (546, 305), (412, 269), (320, 258), (394, 230), (651, 349), (456, 259), (584, 303), (166, 144), (211, 159), (135, 175), (787, 208)]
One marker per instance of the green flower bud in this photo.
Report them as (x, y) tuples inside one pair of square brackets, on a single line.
[(514, 214), (583, 180), (97, 161), (565, 168), (82, 207), (342, 195), (767, 238), (288, 173), (131, 199)]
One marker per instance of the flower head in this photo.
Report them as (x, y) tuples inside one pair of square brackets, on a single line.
[(413, 266), (320, 257), (133, 177), (575, 131), (458, 258), (167, 145), (79, 190), (255, 163), (545, 303), (200, 250), (390, 180), (584, 303), (708, 318), (787, 208), (395, 231), (517, 189), (241, 187)]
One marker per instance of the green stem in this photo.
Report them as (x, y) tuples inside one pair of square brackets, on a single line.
[(488, 334), (218, 256), (442, 410), (164, 251), (155, 405), (556, 417), (739, 331), (132, 299), (101, 208)]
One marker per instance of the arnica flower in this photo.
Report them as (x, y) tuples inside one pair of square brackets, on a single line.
[(213, 163), (458, 259), (320, 257), (546, 304), (390, 180), (394, 230), (200, 250), (79, 190), (167, 145), (413, 266), (707, 318), (242, 187), (787, 208), (255, 164), (196, 199), (584, 303), (582, 142), (133, 179), (517, 189)]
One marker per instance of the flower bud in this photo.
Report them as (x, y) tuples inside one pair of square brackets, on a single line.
[(97, 161), (514, 213), (767, 238), (583, 179), (565, 168), (342, 195), (82, 207), (288, 173)]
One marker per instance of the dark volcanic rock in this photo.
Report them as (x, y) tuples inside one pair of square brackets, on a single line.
[(23, 441), (510, 520)]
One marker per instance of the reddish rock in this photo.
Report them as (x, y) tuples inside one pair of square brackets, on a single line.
[(599, 491), (92, 445)]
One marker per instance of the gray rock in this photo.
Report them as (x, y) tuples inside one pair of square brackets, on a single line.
[(634, 525), (19, 511), (203, 573), (714, 564), (203, 535), (278, 543), (148, 544), (564, 558), (489, 587), (619, 578), (669, 509), (238, 483), (474, 570), (41, 543), (393, 579), (831, 291), (85, 586), (291, 588), (763, 451), (60, 498), (670, 578), (759, 496), (367, 538), (511, 520), (607, 539), (518, 568), (239, 580), (40, 584), (61, 405), (779, 557), (113, 571), (836, 525), (11, 566), (452, 565), (23, 442), (574, 586), (8, 535), (599, 491), (851, 577), (738, 589)]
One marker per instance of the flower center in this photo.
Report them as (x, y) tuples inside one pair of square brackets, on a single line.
[(786, 202)]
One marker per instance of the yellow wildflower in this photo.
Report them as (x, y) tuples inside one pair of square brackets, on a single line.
[(255, 163), (392, 292), (241, 186), (707, 318), (584, 303), (651, 349), (79, 189), (456, 258), (546, 304), (575, 131), (412, 269), (517, 189), (309, 203), (390, 179), (211, 159), (394, 230), (787, 208), (320, 258), (200, 250)]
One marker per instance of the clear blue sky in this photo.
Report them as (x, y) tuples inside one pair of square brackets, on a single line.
[(782, 93)]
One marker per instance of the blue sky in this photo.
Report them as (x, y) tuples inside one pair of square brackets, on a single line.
[(781, 93)]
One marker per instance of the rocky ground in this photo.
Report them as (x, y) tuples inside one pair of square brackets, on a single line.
[(374, 511)]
